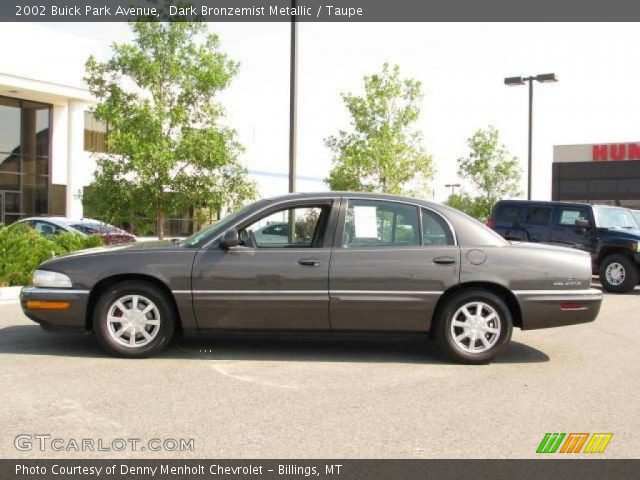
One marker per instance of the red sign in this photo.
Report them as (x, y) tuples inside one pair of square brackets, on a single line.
[(613, 151)]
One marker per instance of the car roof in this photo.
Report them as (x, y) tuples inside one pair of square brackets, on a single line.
[(339, 194), (63, 220)]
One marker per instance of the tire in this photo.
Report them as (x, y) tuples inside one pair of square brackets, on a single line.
[(464, 344), (136, 336), (618, 273)]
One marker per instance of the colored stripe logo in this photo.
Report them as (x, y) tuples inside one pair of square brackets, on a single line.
[(574, 442)]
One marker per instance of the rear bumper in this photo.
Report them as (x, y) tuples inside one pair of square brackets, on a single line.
[(557, 308), (71, 318)]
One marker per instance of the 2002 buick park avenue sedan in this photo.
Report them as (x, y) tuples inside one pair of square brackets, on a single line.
[(345, 263)]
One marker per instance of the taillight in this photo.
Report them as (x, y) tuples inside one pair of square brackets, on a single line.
[(491, 222), (572, 306)]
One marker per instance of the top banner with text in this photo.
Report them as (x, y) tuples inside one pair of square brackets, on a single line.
[(317, 10)]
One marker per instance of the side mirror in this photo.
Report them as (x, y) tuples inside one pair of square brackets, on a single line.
[(230, 239), (582, 223)]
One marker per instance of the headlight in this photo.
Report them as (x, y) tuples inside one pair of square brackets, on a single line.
[(45, 278), (635, 246)]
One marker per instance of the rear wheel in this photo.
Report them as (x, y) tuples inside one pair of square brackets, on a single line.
[(473, 326), (618, 273), (133, 319)]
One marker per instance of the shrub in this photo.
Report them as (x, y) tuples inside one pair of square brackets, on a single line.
[(22, 250)]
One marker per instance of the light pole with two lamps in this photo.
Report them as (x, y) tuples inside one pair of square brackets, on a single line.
[(515, 81)]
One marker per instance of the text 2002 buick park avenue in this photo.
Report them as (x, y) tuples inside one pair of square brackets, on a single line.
[(349, 263)]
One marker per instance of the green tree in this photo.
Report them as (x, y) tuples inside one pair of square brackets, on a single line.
[(493, 171), (466, 203), (168, 151), (382, 152)]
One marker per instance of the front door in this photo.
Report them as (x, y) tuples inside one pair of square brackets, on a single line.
[(277, 279), (392, 264), (567, 234)]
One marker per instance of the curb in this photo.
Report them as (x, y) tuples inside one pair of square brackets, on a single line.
[(9, 294)]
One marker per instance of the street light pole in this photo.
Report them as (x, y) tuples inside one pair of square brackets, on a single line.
[(293, 100), (453, 187), (514, 81), (530, 152)]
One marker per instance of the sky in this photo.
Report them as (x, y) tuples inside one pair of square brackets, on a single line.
[(461, 66)]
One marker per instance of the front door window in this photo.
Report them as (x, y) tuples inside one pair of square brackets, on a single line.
[(289, 228)]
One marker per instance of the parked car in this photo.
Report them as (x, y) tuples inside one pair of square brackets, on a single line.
[(274, 233), (53, 225), (609, 234), (358, 263)]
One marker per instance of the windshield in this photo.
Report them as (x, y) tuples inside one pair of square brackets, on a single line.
[(206, 233), (614, 217)]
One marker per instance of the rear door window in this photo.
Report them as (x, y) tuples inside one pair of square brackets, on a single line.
[(377, 223), (507, 213)]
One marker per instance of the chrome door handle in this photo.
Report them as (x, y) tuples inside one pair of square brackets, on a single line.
[(309, 262)]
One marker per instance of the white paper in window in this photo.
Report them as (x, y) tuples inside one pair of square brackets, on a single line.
[(366, 225)]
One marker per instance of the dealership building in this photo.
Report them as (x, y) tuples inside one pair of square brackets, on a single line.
[(607, 173), (48, 136)]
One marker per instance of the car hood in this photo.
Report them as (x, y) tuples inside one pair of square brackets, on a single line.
[(630, 234), (159, 245)]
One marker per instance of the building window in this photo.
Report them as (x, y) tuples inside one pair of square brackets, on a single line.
[(95, 134), (25, 140)]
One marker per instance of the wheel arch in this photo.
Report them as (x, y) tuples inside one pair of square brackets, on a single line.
[(107, 282), (608, 250), (495, 288)]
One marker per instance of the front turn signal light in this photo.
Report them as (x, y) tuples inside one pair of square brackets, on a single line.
[(45, 305)]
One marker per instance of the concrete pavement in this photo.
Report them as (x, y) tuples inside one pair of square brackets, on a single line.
[(266, 398)]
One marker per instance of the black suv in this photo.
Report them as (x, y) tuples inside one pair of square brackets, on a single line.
[(610, 234)]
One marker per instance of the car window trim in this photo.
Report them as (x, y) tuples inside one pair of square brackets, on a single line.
[(337, 240)]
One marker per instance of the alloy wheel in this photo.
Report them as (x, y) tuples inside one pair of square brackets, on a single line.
[(475, 327), (615, 273), (133, 321)]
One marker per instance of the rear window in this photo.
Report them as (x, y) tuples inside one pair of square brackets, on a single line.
[(506, 213), (538, 215)]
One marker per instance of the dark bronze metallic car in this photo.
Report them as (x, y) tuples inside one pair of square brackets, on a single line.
[(346, 263)]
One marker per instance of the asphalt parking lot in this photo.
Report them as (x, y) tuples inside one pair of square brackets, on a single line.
[(266, 398)]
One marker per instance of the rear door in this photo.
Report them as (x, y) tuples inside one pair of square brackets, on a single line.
[(391, 261)]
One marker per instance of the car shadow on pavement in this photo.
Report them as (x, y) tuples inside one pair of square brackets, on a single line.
[(32, 340)]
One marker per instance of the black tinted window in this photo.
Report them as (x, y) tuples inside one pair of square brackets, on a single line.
[(507, 213), (538, 215)]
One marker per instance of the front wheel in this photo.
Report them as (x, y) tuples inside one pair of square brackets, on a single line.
[(618, 274), (133, 319), (473, 326)]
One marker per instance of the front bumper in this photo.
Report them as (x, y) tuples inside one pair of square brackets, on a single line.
[(71, 318), (557, 308)]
